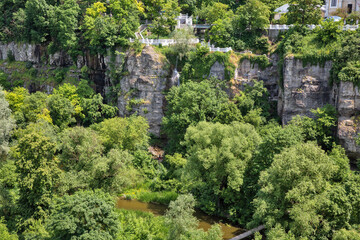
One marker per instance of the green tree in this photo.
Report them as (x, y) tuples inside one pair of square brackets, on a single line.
[(124, 133), (189, 104), (183, 224), (61, 111), (223, 153), (115, 172), (329, 31), (304, 11), (344, 234), (166, 21), (275, 138), (183, 38), (221, 33), (216, 11), (35, 108), (296, 191), (70, 92), (84, 215), (6, 125), (37, 21), (320, 128), (111, 25), (95, 110), (4, 232), (180, 216), (80, 148), (252, 17), (36, 165), (63, 26), (171, 12)]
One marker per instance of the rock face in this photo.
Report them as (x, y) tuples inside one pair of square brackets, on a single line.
[(217, 71), (142, 88), (139, 81), (247, 71), (348, 105), (143, 78), (305, 88), (21, 52)]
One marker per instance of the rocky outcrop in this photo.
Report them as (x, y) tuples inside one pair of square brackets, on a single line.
[(248, 71), (23, 52), (139, 80), (217, 70), (142, 88), (304, 88), (348, 106)]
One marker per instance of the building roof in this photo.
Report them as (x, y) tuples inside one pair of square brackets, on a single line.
[(282, 9)]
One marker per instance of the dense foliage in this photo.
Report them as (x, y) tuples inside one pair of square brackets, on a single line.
[(66, 156)]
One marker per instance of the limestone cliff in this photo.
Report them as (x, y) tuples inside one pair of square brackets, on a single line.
[(304, 88), (138, 82), (147, 76), (348, 106)]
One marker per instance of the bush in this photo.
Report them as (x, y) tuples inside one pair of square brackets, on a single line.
[(329, 31), (84, 215), (10, 56), (164, 197), (261, 44)]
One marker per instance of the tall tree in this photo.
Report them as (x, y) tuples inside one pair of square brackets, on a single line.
[(253, 17), (6, 124), (63, 25), (84, 215), (183, 223), (189, 104), (37, 167), (304, 11), (218, 157), (298, 191)]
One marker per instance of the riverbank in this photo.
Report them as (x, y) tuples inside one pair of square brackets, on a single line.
[(158, 210)]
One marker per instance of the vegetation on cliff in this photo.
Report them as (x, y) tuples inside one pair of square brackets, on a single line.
[(66, 156)]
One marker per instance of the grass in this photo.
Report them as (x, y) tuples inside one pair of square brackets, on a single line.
[(145, 195)]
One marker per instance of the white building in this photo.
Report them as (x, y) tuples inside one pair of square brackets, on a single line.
[(285, 8), (184, 20), (349, 5)]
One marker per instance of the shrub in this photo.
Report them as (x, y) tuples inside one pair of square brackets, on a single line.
[(10, 56)]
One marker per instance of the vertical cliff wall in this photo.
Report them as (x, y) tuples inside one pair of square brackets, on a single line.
[(304, 88), (142, 88), (137, 81), (348, 106)]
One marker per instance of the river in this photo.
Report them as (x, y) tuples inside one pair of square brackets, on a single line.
[(205, 221)]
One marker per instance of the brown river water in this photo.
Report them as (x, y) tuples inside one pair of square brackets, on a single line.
[(205, 221)]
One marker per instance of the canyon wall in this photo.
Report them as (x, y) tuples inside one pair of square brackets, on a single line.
[(138, 82)]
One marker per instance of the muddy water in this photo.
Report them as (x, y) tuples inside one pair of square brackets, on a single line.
[(205, 221)]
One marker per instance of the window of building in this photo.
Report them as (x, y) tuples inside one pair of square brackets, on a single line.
[(333, 3)]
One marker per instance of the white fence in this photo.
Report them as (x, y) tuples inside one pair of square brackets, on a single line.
[(216, 49), (163, 42), (311, 27)]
